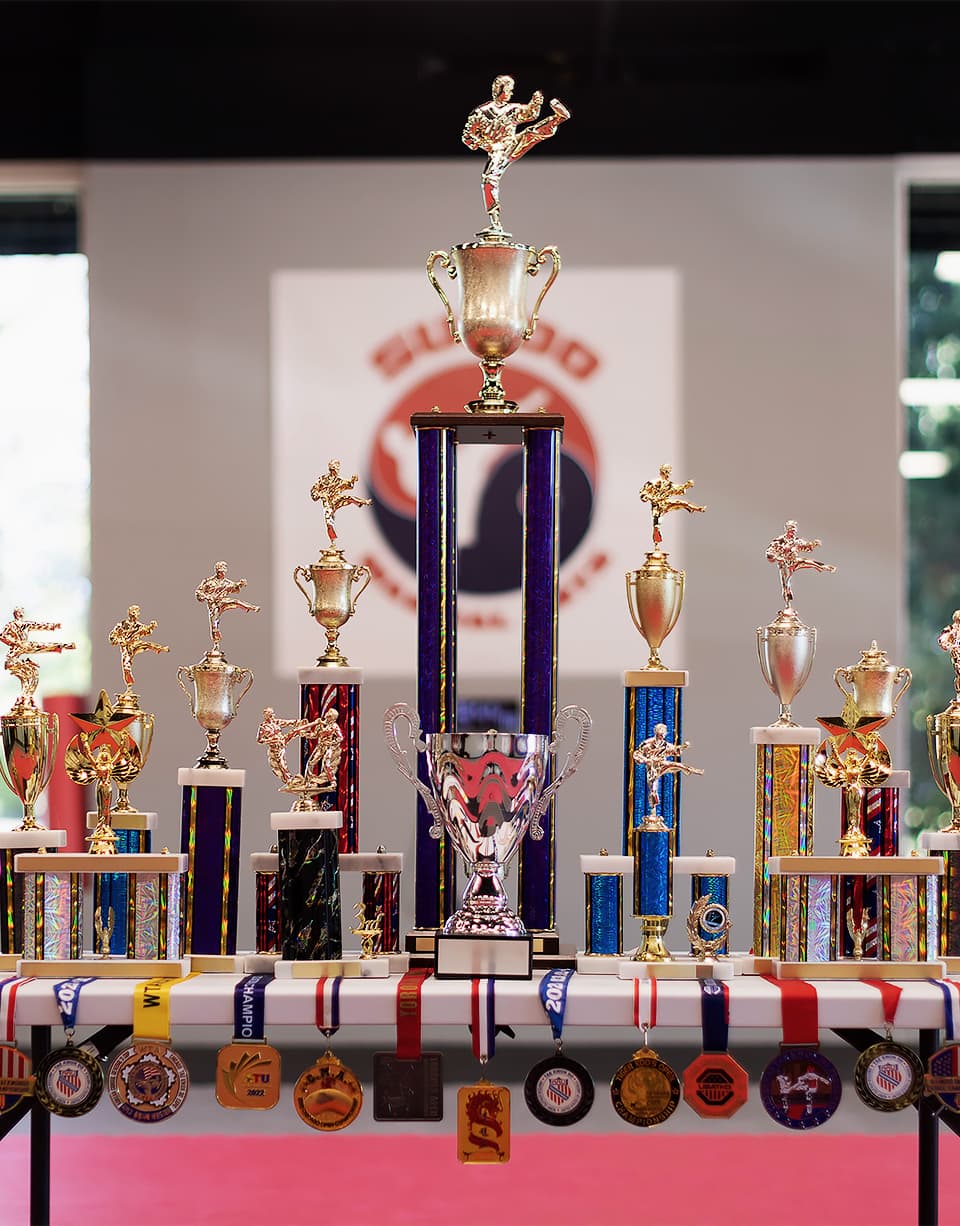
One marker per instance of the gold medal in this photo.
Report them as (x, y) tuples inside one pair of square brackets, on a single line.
[(15, 1079), (327, 1095), (483, 1123), (645, 1089), (147, 1082), (248, 1076)]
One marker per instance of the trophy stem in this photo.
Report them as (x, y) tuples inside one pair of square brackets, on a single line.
[(212, 757), (29, 821), (103, 841), (123, 804), (333, 657), (492, 398), (653, 928), (785, 719), (485, 907)]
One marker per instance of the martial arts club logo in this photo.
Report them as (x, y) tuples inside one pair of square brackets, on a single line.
[(491, 544)]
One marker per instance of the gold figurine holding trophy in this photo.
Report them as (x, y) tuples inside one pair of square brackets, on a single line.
[(101, 753), (493, 321), (30, 735), (132, 636), (333, 600), (320, 770), (943, 731)]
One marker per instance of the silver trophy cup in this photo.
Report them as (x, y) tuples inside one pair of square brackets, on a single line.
[(486, 789)]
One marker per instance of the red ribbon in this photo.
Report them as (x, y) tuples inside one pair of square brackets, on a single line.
[(650, 1021), (800, 1012), (889, 997), (410, 1013)]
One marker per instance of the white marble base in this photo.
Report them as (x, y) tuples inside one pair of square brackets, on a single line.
[(260, 964), (598, 964), (750, 964), (705, 866), (317, 819), (371, 862), (265, 861), (654, 678), (939, 840), (335, 675), (606, 865), (350, 966), (30, 840), (679, 968), (212, 777), (786, 736), (125, 821)]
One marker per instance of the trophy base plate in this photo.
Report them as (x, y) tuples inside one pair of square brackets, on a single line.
[(952, 964), (217, 964), (497, 428), (566, 956), (598, 964), (485, 957), (8, 962), (679, 967), (103, 968), (260, 964), (754, 964), (350, 967), (867, 969)]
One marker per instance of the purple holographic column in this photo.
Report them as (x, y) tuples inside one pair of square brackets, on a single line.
[(538, 686), (210, 839), (436, 651)]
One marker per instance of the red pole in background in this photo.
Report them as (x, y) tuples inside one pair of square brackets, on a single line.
[(67, 802)]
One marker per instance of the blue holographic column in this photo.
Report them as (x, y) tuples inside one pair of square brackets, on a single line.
[(210, 839), (716, 888), (653, 873), (435, 877), (604, 913), (112, 890), (538, 686), (648, 702)]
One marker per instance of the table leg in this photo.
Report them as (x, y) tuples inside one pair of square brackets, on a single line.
[(927, 1148), (39, 1139)]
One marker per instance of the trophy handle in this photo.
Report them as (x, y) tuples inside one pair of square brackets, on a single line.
[(902, 672), (845, 674), (447, 263), (933, 751), (240, 674), (359, 572), (305, 571), (569, 767), (536, 259), (391, 717), (188, 669)]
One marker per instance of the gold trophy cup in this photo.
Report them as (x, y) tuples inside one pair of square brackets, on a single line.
[(943, 732), (132, 636)]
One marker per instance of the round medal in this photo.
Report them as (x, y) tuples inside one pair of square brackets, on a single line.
[(248, 1075), (800, 1088), (327, 1095), (558, 1091), (645, 1090), (888, 1076), (69, 1081), (15, 1079), (943, 1076), (147, 1082), (715, 1085)]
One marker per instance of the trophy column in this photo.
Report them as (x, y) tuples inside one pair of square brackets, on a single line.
[(336, 689), (111, 891), (11, 887), (650, 697), (210, 838)]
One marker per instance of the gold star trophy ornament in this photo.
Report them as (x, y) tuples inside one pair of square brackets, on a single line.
[(102, 752)]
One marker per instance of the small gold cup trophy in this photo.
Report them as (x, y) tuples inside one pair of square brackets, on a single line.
[(492, 319), (333, 600)]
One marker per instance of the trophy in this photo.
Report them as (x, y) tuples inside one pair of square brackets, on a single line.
[(492, 319), (101, 752), (943, 732), (320, 770), (29, 734), (333, 600), (655, 591), (786, 646), (218, 686), (486, 790), (132, 636)]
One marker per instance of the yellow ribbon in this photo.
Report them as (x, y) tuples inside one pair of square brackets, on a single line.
[(151, 1008)]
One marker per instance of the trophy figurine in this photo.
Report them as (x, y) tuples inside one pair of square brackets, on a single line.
[(333, 600), (29, 734), (655, 591), (786, 646), (653, 847), (943, 732), (218, 686), (132, 636), (101, 752), (492, 318), (320, 770), (853, 758)]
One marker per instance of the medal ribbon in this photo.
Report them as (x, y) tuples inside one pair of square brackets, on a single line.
[(483, 1018), (800, 1012), (410, 1013), (890, 995), (328, 1005), (951, 1007), (249, 1007), (714, 1015), (151, 1008), (553, 997), (8, 997), (645, 1004), (67, 996)]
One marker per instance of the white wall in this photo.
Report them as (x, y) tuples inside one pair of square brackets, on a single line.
[(788, 391)]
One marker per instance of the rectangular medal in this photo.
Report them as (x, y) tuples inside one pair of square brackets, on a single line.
[(407, 1089), (483, 1123)]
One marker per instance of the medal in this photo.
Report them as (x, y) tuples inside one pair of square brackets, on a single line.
[(943, 1068), (483, 1110), (888, 1076), (800, 1088), (645, 1090), (16, 1082), (715, 1085), (327, 1095), (248, 1069), (558, 1090), (408, 1084), (69, 1081), (147, 1081)]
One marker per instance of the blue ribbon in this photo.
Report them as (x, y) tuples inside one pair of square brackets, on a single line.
[(713, 1016), (249, 1006), (947, 1008), (67, 995), (553, 997)]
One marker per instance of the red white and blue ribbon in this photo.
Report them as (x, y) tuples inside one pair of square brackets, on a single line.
[(328, 1005), (951, 1007), (8, 999), (645, 1004), (483, 1018)]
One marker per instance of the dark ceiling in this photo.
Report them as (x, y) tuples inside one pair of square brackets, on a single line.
[(375, 78)]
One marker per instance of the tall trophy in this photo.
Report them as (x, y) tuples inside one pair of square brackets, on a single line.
[(943, 744), (492, 319), (30, 737), (785, 752), (486, 790), (211, 791)]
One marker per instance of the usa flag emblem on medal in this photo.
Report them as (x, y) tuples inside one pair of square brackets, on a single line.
[(888, 1076), (558, 1091), (69, 1082), (943, 1076)]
